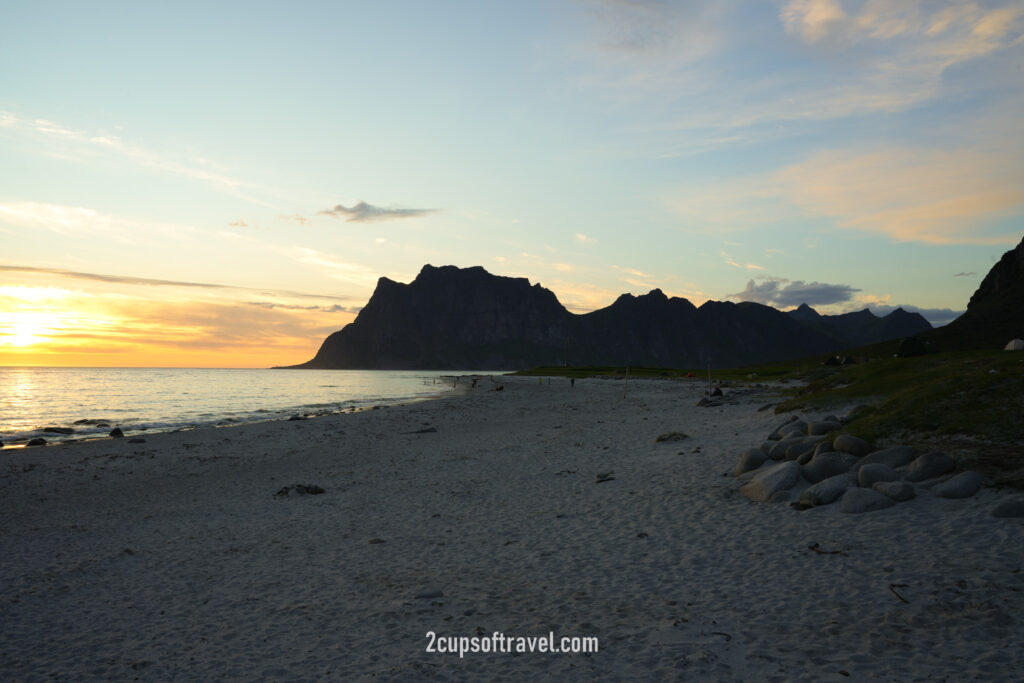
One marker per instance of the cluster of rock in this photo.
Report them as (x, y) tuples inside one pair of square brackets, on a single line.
[(800, 465)]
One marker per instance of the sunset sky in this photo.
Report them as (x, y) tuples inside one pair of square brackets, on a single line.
[(222, 183)]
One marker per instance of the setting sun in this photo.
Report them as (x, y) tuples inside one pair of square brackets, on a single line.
[(25, 329)]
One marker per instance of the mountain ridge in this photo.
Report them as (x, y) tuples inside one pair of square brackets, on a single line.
[(458, 318)]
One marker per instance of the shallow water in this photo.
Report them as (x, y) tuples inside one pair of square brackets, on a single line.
[(163, 399)]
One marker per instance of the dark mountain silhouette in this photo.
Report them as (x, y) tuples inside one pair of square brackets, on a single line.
[(995, 313), (862, 327), (454, 318)]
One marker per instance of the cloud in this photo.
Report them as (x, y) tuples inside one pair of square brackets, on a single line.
[(584, 239), (153, 282), (238, 224), (335, 308), (963, 274), (812, 19), (77, 145), (782, 293), (909, 194), (692, 64), (368, 213), (295, 218), (924, 195), (334, 267)]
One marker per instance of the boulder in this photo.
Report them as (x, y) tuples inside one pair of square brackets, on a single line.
[(804, 457), (116, 433), (963, 485), (822, 427), (770, 481), (827, 490), (775, 435), (59, 430), (823, 447), (1012, 507), (38, 441), (874, 472), (929, 466), (858, 500), (780, 497), (751, 459), (897, 490), (894, 457), (851, 444), (798, 449), (795, 428), (825, 465), (778, 451)]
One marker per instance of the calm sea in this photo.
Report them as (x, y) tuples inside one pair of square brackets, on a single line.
[(91, 401)]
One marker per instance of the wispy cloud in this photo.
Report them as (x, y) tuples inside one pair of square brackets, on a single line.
[(294, 218), (782, 293), (584, 239), (963, 274), (334, 267), (73, 144), (935, 196), (368, 213), (154, 282), (691, 62)]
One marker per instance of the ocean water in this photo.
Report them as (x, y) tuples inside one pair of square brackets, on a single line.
[(92, 401)]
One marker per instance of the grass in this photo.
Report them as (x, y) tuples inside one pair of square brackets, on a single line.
[(969, 404)]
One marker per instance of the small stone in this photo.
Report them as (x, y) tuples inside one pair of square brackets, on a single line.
[(751, 459), (929, 466), (858, 500), (667, 436), (116, 433), (375, 541), (874, 472), (851, 444), (771, 480), (429, 595), (1012, 507), (897, 490), (963, 485), (136, 439), (38, 441)]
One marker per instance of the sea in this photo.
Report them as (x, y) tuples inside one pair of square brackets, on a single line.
[(92, 401)]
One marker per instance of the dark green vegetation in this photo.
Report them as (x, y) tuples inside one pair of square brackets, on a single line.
[(969, 404)]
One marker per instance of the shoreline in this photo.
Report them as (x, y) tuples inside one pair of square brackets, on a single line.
[(175, 559)]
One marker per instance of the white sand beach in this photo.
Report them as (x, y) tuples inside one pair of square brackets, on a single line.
[(172, 559)]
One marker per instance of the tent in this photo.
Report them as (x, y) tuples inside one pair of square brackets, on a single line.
[(1015, 345)]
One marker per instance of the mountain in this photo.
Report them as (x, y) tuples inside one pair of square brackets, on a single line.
[(862, 327), (467, 318), (995, 313)]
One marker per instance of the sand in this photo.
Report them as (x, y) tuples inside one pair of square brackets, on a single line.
[(173, 559)]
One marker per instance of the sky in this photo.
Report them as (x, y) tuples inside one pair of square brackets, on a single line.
[(221, 184)]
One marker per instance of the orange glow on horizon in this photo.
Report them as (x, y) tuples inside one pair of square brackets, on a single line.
[(53, 328)]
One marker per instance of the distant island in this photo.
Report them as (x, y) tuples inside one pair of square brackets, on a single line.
[(468, 318)]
